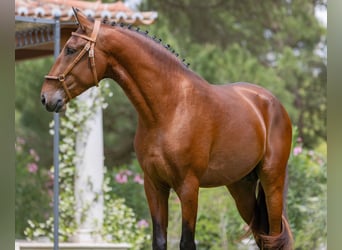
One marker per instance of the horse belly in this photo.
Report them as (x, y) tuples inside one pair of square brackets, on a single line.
[(226, 173), (234, 157)]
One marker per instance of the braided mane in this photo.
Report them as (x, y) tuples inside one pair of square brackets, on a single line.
[(146, 34)]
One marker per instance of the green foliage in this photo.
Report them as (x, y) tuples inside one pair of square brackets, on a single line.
[(119, 125), (120, 223), (126, 181), (228, 22), (33, 187), (31, 120), (306, 80), (219, 226), (68, 129), (126, 185), (236, 64), (307, 197), (125, 210)]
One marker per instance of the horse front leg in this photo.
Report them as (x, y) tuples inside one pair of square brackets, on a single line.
[(157, 197), (188, 195)]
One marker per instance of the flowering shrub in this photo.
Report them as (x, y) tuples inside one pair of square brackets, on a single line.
[(307, 197), (126, 208), (33, 189), (122, 177), (120, 223), (127, 182)]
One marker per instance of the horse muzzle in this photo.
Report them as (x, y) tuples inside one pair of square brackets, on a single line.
[(53, 104)]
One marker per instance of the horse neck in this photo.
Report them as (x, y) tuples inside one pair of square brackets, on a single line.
[(148, 73)]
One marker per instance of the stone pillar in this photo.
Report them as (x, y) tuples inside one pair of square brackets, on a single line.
[(89, 174)]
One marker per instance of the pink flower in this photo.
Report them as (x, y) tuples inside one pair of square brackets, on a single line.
[(138, 179), (311, 153), (34, 154), (18, 148), (121, 178), (142, 223), (127, 172), (50, 193), (20, 140), (32, 167), (19, 144), (51, 176), (297, 150), (49, 183)]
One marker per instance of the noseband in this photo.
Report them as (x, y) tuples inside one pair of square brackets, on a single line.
[(88, 47)]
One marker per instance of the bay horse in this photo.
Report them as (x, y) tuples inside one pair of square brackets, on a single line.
[(190, 133)]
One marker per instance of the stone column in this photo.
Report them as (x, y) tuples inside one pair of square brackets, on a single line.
[(89, 174)]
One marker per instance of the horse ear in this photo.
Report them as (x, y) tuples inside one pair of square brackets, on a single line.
[(81, 19)]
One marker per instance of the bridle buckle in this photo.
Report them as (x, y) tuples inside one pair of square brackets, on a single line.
[(61, 77)]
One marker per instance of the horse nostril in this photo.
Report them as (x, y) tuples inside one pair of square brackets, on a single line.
[(43, 100)]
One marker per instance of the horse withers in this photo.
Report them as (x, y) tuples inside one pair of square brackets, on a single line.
[(190, 133)]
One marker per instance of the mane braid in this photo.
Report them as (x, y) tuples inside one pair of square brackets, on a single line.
[(146, 34)]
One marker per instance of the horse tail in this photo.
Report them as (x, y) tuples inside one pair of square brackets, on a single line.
[(260, 226)]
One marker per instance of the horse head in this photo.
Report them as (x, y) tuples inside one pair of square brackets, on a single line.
[(79, 66)]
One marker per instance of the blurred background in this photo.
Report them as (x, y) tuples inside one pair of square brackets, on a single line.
[(280, 45)]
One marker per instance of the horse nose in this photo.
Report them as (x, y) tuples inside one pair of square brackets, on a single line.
[(52, 104), (43, 99)]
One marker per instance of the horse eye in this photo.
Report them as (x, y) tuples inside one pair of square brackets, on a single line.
[(70, 51)]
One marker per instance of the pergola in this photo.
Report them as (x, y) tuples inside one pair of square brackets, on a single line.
[(34, 34), (42, 28)]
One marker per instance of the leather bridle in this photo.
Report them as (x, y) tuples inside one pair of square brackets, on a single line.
[(89, 47)]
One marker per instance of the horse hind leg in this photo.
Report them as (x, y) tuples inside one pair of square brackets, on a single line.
[(243, 192), (272, 172), (269, 225), (249, 200), (251, 203), (276, 234)]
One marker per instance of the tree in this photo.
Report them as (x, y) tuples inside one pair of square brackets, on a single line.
[(31, 120), (307, 195), (119, 123)]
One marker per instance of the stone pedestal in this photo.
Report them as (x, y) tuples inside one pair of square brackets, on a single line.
[(24, 245)]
